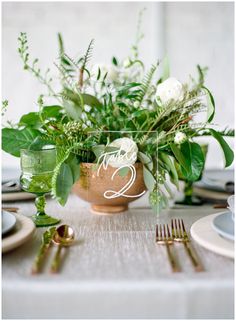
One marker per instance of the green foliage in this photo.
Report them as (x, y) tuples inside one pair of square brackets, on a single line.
[(13, 140), (93, 110), (211, 105), (228, 153)]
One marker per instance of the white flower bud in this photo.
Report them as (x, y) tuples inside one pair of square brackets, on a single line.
[(170, 89), (180, 138), (136, 104), (129, 152)]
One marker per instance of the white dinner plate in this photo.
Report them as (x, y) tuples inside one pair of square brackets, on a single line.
[(8, 222), (203, 233), (224, 225), (24, 231)]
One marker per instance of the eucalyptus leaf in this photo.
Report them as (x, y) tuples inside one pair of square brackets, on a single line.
[(98, 150), (146, 160), (149, 180), (123, 171), (91, 101), (228, 153), (171, 168)]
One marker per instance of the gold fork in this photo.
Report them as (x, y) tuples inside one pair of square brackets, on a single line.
[(180, 235), (163, 237)]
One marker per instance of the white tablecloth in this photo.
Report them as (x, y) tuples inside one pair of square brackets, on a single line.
[(115, 270)]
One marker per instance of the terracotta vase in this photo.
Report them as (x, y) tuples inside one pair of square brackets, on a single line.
[(91, 188)]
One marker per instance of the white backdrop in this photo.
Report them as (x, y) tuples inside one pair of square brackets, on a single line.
[(190, 33)]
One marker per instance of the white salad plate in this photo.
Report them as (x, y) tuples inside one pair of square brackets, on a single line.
[(203, 233), (23, 231), (224, 225), (8, 222)]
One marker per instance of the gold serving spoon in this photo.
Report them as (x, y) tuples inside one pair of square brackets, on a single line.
[(63, 236)]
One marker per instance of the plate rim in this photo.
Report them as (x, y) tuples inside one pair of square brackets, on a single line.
[(15, 240), (208, 245)]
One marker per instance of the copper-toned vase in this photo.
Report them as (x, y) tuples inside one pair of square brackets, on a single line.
[(91, 188)]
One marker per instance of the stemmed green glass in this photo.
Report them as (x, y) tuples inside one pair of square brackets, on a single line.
[(37, 168)]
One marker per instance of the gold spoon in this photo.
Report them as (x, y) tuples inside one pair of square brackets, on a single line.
[(63, 236)]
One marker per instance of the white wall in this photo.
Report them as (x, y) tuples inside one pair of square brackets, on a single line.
[(203, 33), (190, 33)]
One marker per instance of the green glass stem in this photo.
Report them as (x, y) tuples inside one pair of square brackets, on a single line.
[(41, 219), (188, 192), (40, 203)]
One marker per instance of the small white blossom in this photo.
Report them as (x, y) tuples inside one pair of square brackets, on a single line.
[(180, 138), (170, 89), (136, 104), (126, 63), (127, 153)]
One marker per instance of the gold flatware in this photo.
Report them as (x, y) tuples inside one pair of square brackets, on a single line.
[(164, 237), (45, 245), (63, 236), (180, 235)]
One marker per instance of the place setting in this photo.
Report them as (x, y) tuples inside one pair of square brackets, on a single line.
[(215, 232)]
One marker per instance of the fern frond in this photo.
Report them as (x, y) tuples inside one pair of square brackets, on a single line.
[(85, 61), (146, 83), (88, 54)]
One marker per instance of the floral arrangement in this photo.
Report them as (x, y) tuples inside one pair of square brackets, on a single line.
[(104, 107)]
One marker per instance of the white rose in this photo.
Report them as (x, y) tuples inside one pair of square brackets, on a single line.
[(170, 89), (127, 153), (112, 72), (180, 138)]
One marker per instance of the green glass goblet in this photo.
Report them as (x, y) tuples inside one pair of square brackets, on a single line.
[(37, 168)]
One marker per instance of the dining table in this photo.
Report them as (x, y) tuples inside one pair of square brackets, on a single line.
[(115, 269)]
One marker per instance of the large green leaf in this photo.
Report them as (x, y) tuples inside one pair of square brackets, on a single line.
[(74, 164), (210, 105), (195, 160), (228, 153), (179, 156), (31, 120), (13, 140), (53, 111), (64, 183), (68, 174)]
